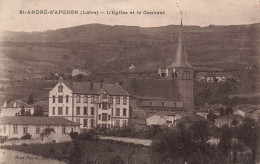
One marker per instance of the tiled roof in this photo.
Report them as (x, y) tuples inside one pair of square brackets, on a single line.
[(153, 88), (230, 117), (162, 113), (18, 104), (248, 108), (137, 121), (85, 88), (29, 120)]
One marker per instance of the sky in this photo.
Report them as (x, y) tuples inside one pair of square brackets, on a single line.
[(195, 12)]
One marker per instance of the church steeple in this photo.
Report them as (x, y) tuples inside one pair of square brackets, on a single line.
[(180, 58)]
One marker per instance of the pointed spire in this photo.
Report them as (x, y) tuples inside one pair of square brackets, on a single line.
[(180, 59)]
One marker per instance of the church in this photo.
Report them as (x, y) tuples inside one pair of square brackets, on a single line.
[(181, 72), (171, 93)]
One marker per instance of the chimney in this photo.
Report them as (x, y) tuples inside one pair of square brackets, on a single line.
[(60, 79), (91, 86), (5, 103), (101, 85)]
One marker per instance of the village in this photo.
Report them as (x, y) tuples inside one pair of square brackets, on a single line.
[(141, 110)]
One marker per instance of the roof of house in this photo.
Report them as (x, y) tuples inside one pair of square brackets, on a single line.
[(230, 117), (137, 121), (85, 88), (188, 118), (18, 104), (81, 69), (29, 120), (248, 108), (162, 113), (153, 88)]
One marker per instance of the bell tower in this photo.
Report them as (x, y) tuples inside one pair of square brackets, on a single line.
[(181, 71)]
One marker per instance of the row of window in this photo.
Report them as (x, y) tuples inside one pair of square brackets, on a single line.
[(37, 129), (118, 111), (184, 75), (151, 103), (85, 122), (85, 111), (117, 123), (60, 99), (104, 117), (92, 122), (60, 111), (85, 99)]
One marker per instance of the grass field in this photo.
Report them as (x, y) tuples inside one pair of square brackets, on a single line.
[(94, 151)]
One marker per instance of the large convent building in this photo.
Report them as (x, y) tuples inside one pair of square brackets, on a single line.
[(90, 104)]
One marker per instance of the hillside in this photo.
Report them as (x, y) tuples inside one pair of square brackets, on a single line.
[(103, 48)]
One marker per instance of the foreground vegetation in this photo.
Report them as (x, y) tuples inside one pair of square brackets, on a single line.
[(170, 145), (89, 152)]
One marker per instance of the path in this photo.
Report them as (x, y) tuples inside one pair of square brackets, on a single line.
[(15, 157), (145, 142)]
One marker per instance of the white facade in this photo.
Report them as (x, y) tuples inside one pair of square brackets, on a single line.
[(155, 120), (96, 109), (14, 108), (17, 131), (18, 126), (79, 71)]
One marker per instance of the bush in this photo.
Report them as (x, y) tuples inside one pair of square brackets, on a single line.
[(116, 160), (74, 135), (26, 136), (15, 138), (87, 136)]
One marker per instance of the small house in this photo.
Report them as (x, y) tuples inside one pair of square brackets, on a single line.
[(80, 71), (15, 108), (229, 120), (18, 126)]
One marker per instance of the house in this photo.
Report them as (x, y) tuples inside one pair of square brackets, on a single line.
[(132, 67), (211, 77), (214, 108), (213, 141), (163, 118), (18, 126), (90, 104), (230, 120), (188, 119), (248, 110), (80, 71), (155, 120), (203, 114), (14, 107)]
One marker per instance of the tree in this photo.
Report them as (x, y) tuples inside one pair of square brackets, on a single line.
[(225, 139), (234, 122), (211, 117), (30, 99), (38, 112), (27, 113), (79, 77), (22, 111), (229, 110), (186, 144), (76, 153), (46, 132), (222, 111), (248, 134)]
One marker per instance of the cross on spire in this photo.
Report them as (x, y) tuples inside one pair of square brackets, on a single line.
[(181, 17)]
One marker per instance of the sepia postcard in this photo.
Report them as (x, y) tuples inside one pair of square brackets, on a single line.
[(130, 81)]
